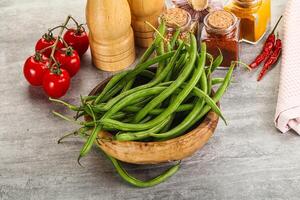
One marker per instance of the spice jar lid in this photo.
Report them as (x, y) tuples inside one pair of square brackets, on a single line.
[(220, 19), (175, 17)]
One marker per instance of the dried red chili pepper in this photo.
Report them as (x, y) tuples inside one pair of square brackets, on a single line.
[(267, 49), (273, 58)]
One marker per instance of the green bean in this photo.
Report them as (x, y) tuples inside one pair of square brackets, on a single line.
[(83, 129), (133, 181), (147, 119), (119, 115), (200, 102), (157, 111), (147, 74), (113, 81), (135, 72), (88, 145), (148, 52), (168, 125), (180, 63), (172, 107), (138, 102), (203, 82), (165, 83), (89, 98), (138, 98), (161, 30), (154, 82), (128, 100), (142, 101), (185, 124), (169, 48), (169, 76), (208, 74), (206, 108), (116, 116), (142, 134), (128, 86), (217, 62), (161, 97), (196, 92), (138, 183), (127, 119), (218, 94), (197, 108), (216, 81), (174, 38), (160, 51), (147, 92), (68, 105), (143, 59), (187, 120), (113, 92)]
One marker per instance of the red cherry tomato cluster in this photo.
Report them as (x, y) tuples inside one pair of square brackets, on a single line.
[(56, 60)]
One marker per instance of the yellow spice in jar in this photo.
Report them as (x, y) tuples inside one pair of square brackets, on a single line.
[(254, 15)]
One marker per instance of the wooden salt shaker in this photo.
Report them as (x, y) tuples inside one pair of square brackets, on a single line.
[(141, 11), (110, 34)]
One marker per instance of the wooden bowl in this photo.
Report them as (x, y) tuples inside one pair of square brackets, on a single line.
[(157, 152)]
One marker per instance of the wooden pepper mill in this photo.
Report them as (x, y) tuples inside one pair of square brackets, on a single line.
[(110, 34), (141, 11)]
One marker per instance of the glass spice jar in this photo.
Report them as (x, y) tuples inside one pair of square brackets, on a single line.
[(221, 32), (254, 17), (178, 18)]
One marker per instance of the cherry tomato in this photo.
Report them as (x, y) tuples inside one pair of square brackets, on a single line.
[(68, 59), (78, 39), (35, 68), (46, 41), (56, 84)]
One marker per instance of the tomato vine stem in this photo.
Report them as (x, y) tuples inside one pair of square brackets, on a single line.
[(57, 39), (59, 26)]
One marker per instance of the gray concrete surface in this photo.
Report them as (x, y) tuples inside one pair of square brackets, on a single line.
[(248, 159)]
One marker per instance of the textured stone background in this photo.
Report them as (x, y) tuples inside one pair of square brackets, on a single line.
[(249, 159)]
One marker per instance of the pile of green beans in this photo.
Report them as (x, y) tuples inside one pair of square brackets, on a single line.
[(154, 104)]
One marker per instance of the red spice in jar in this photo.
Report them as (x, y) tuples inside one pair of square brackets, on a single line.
[(221, 31)]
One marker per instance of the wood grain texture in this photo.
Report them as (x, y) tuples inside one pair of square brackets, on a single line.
[(111, 36), (248, 159), (142, 11)]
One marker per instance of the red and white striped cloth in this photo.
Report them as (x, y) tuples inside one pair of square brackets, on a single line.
[(288, 105)]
